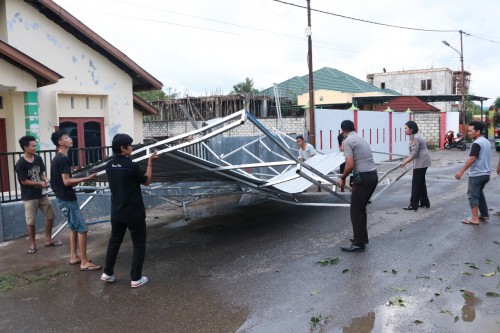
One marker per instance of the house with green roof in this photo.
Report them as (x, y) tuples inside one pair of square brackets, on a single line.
[(332, 88)]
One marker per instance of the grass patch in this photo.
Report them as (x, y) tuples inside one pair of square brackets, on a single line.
[(41, 277), (6, 282)]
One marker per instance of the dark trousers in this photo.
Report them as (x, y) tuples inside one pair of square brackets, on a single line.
[(138, 234), (419, 188), (361, 194)]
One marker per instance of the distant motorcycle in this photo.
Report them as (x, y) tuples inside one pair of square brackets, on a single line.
[(454, 142)]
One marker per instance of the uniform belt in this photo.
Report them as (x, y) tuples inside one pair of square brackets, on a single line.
[(368, 172)]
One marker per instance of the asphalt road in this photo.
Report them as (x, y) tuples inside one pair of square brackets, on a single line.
[(254, 268)]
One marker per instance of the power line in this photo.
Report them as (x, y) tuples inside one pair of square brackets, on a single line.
[(365, 21)]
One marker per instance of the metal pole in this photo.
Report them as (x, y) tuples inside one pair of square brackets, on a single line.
[(463, 79), (312, 139)]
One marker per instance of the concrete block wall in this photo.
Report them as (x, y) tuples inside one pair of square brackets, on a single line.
[(172, 128), (428, 127)]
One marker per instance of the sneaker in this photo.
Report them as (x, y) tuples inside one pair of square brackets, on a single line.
[(138, 283), (108, 278)]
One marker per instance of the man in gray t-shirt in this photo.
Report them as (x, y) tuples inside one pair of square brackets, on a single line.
[(479, 173), (306, 150), (359, 159)]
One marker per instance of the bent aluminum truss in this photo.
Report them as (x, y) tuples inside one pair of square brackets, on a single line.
[(218, 159)]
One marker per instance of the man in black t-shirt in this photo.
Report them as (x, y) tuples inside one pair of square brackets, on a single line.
[(127, 208), (30, 171), (62, 185)]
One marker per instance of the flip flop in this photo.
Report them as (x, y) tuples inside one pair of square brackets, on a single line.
[(54, 243), (469, 222), (75, 262), (31, 251), (90, 268), (484, 218)]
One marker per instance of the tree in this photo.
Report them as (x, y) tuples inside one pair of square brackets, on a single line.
[(244, 87), (152, 95), (497, 102)]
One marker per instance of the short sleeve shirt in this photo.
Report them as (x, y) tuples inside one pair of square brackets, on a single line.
[(30, 171), (356, 147), (125, 179), (60, 165), (308, 152), (481, 149)]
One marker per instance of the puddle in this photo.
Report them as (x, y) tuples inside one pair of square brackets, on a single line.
[(462, 314)]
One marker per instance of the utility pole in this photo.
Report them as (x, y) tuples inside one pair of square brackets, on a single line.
[(462, 85), (312, 139), (464, 108)]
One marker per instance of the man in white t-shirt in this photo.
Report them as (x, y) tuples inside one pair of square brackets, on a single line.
[(306, 150)]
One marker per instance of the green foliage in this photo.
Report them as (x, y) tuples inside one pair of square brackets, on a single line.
[(497, 102), (315, 321), (329, 261), (152, 96), (245, 87), (6, 282)]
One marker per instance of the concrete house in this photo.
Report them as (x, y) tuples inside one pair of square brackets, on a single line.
[(58, 73), (423, 82)]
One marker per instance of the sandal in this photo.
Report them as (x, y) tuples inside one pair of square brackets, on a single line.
[(90, 267), (470, 222), (484, 218), (31, 251)]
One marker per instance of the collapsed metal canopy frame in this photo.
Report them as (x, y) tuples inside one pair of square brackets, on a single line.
[(206, 162)]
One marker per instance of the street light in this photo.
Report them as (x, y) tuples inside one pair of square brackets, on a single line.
[(463, 74)]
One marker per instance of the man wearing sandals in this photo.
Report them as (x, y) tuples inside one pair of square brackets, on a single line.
[(62, 185), (479, 173), (30, 171)]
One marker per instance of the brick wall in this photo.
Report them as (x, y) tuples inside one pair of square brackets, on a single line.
[(173, 128), (428, 127)]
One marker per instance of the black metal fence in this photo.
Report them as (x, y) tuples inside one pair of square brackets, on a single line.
[(10, 189)]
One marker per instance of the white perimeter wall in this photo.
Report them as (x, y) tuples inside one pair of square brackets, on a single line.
[(374, 127)]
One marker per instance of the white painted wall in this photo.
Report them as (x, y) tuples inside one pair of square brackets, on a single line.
[(85, 72), (452, 121), (372, 126), (327, 124)]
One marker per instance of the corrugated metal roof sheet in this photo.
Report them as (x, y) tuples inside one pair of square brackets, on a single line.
[(324, 78)]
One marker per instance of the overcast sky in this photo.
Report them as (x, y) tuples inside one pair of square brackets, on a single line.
[(204, 47)]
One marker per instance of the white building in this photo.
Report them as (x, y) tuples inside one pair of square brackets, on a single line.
[(56, 73), (420, 82)]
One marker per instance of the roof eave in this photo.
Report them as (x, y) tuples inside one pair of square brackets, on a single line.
[(143, 106), (142, 80), (44, 76)]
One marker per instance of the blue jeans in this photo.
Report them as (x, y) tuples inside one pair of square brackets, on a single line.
[(476, 195), (73, 214)]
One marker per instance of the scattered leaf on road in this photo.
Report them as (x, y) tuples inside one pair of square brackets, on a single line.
[(397, 301), (418, 322), (488, 274), (345, 270), (492, 294), (399, 289), (314, 293), (466, 273), (329, 261), (394, 271), (472, 265)]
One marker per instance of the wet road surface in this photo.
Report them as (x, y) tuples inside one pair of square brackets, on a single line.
[(255, 268)]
